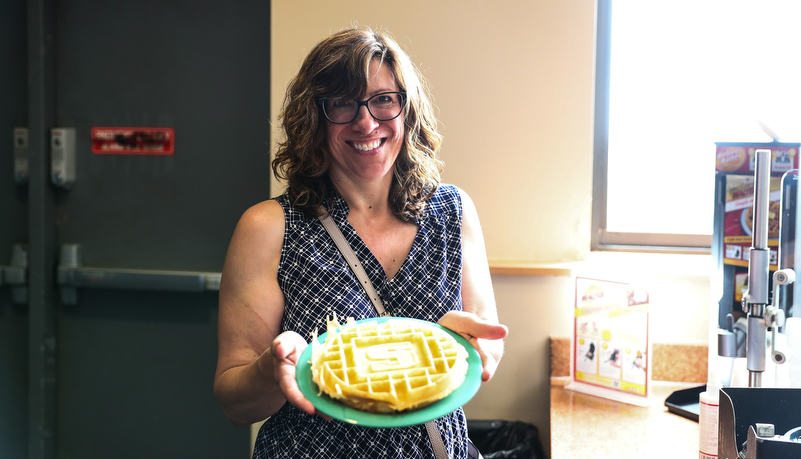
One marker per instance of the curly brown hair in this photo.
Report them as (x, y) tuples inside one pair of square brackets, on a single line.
[(338, 66)]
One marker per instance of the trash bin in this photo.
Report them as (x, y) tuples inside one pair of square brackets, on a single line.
[(506, 439)]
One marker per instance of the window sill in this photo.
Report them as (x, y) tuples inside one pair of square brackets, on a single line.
[(524, 268), (612, 263)]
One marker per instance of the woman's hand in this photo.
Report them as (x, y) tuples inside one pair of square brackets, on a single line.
[(285, 350), (484, 336)]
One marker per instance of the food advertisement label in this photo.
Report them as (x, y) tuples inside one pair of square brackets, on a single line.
[(732, 158), (739, 220), (610, 342)]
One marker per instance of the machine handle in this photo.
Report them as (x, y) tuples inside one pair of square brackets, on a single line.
[(71, 276)]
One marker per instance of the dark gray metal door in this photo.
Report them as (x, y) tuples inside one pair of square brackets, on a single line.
[(132, 250), (13, 231)]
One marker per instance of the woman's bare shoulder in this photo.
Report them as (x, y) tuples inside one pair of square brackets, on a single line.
[(267, 214), (259, 235)]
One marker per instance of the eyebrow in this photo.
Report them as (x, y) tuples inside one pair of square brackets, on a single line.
[(380, 91)]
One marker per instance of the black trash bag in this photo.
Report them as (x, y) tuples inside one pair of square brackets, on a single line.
[(506, 439)]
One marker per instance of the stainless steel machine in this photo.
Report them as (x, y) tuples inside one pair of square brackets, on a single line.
[(763, 312), (754, 421)]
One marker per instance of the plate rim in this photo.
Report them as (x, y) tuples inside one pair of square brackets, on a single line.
[(744, 222), (438, 409)]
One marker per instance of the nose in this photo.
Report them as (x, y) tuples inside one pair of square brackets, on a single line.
[(364, 121)]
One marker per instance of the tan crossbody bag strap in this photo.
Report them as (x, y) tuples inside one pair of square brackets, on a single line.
[(350, 257), (353, 262)]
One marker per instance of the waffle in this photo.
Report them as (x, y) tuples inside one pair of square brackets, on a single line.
[(387, 367)]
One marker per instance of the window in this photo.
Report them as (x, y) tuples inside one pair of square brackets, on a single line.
[(673, 78)]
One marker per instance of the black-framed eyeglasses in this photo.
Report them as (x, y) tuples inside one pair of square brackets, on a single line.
[(384, 106)]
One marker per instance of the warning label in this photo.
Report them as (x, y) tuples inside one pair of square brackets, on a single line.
[(133, 141)]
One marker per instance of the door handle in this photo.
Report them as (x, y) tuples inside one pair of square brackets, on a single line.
[(15, 275), (72, 275)]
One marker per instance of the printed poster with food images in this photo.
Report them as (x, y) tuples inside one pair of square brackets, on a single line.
[(739, 220), (610, 349), (733, 158)]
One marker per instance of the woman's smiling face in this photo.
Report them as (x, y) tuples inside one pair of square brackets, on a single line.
[(365, 149)]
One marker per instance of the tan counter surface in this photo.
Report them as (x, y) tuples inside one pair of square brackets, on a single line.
[(585, 426)]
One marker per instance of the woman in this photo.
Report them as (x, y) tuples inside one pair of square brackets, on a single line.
[(361, 144)]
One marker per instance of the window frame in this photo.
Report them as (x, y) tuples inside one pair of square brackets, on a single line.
[(601, 239)]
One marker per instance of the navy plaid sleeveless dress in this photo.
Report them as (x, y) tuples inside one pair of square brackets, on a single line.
[(317, 282)]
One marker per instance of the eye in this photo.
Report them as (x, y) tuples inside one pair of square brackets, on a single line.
[(385, 99), (341, 104)]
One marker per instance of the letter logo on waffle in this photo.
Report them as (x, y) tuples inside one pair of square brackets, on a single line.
[(388, 357), (385, 367)]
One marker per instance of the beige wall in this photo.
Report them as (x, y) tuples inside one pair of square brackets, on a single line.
[(513, 82)]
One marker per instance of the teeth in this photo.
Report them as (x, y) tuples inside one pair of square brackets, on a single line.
[(367, 146)]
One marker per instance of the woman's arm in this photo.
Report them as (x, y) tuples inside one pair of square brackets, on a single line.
[(250, 312), (479, 321)]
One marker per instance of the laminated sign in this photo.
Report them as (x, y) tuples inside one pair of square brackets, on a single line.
[(610, 352), (739, 220), (133, 141)]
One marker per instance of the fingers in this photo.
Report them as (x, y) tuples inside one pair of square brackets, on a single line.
[(489, 363), (286, 350), (484, 336), (288, 346), (470, 324)]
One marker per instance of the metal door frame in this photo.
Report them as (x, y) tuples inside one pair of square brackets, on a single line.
[(42, 243)]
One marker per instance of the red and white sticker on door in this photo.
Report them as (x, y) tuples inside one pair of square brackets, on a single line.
[(133, 141)]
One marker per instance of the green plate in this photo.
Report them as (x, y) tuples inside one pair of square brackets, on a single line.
[(337, 410)]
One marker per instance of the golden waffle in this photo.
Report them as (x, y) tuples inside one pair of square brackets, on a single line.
[(386, 367)]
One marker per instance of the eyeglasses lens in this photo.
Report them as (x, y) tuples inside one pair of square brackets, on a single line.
[(383, 107)]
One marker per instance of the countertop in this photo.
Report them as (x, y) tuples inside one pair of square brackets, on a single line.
[(586, 426)]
